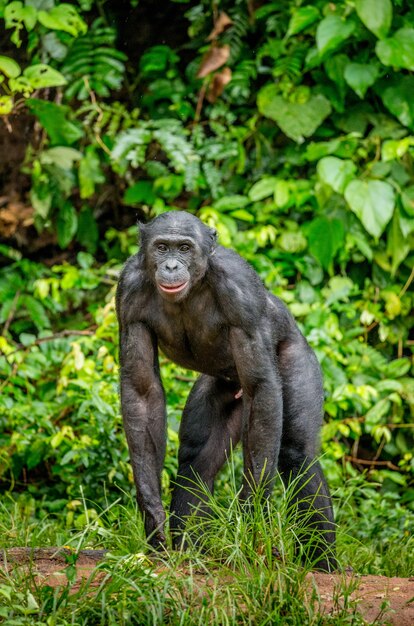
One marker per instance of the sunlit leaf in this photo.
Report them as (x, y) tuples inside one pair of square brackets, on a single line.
[(372, 202), (376, 15)]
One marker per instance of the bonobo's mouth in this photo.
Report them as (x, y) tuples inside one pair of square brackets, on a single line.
[(173, 288)]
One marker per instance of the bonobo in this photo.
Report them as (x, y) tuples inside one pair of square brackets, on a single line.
[(260, 382)]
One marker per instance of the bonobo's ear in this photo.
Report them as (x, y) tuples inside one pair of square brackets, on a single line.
[(213, 237), (141, 233)]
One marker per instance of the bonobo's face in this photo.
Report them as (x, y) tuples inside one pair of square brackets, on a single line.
[(177, 247)]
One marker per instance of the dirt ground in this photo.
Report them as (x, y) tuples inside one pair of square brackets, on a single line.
[(380, 600)]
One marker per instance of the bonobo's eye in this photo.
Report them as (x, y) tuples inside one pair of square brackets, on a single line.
[(184, 247), (162, 247)]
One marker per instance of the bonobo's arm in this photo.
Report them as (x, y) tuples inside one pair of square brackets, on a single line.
[(143, 411), (263, 406)]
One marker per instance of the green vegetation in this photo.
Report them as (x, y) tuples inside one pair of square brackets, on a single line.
[(289, 127)]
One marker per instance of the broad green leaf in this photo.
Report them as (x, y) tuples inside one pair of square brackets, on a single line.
[(377, 412), (61, 156), (331, 32), (264, 188), (42, 75), (9, 67), (231, 203), (336, 173), (339, 288), (90, 173), (53, 119), (243, 215), (407, 198), (335, 68), (360, 77), (140, 192), (395, 149), (16, 12), (297, 120), (376, 15), (325, 238), (397, 247), (21, 85), (282, 193), (301, 19), (66, 224), (87, 233), (372, 202), (292, 242), (63, 17), (397, 368), (6, 105), (399, 99), (397, 50), (41, 199)]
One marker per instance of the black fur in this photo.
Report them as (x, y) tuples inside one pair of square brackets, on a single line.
[(207, 310)]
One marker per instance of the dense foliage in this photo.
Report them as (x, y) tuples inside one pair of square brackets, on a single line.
[(289, 126)]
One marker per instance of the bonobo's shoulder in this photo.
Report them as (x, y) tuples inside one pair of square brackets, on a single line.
[(131, 285), (132, 274), (238, 289)]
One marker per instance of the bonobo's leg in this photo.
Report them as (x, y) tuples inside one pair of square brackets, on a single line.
[(302, 401), (210, 426)]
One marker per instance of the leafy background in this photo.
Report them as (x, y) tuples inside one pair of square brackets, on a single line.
[(288, 126)]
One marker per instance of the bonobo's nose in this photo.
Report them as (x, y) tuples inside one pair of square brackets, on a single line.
[(171, 265)]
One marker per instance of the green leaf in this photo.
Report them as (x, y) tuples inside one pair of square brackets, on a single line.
[(90, 173), (67, 224), (141, 192), (263, 188), (397, 50), (231, 203), (399, 99), (15, 13), (243, 216), (331, 32), (336, 173), (87, 233), (63, 17), (372, 202), (360, 77), (42, 75), (377, 412), (292, 242), (301, 19), (6, 105), (376, 15), (395, 149), (53, 119), (297, 120), (325, 238), (37, 311), (61, 157), (9, 67), (397, 246)]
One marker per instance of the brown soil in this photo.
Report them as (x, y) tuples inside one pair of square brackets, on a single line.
[(379, 600)]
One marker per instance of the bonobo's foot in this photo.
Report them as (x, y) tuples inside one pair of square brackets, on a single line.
[(327, 565), (158, 541)]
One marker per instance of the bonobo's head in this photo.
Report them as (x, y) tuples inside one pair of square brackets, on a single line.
[(176, 246)]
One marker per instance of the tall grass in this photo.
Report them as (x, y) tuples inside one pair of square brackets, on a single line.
[(239, 567)]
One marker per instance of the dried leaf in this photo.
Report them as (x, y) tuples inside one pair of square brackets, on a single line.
[(218, 83), (215, 58), (223, 23)]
